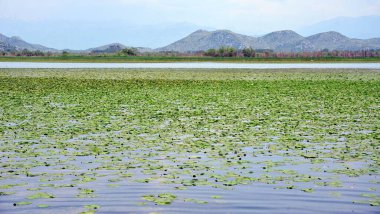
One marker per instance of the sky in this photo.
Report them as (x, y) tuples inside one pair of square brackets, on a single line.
[(252, 17)]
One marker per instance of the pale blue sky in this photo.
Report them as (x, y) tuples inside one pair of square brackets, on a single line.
[(253, 17)]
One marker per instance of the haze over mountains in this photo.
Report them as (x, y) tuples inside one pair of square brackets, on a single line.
[(85, 33), (284, 41), (201, 40), (362, 27)]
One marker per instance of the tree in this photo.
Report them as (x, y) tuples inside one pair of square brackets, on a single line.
[(129, 51), (211, 52), (227, 52), (65, 53), (249, 52)]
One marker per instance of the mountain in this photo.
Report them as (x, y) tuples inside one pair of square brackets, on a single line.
[(363, 27), (335, 41), (328, 40), (114, 48), (204, 40), (111, 48), (15, 43), (84, 34), (286, 41), (278, 40)]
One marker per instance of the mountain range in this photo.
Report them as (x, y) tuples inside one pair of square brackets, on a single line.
[(15, 43), (285, 41), (202, 40)]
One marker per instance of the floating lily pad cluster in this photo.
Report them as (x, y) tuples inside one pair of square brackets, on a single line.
[(84, 137)]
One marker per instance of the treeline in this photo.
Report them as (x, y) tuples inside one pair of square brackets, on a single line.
[(221, 52), (25, 52), (263, 53), (231, 52), (116, 51)]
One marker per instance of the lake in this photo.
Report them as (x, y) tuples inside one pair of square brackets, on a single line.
[(77, 140), (193, 65)]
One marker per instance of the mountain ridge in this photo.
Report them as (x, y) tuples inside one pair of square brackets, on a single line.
[(280, 41), (202, 40), (15, 43)]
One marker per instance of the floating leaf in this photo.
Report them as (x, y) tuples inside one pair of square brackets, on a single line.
[(40, 195)]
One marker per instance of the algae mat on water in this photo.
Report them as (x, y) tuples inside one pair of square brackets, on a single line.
[(177, 141)]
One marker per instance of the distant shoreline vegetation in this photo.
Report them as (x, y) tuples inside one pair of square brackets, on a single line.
[(223, 54)]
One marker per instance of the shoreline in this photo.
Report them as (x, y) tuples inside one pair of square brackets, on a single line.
[(192, 65), (174, 59)]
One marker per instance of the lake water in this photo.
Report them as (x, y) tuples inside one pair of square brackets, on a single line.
[(193, 65), (219, 150)]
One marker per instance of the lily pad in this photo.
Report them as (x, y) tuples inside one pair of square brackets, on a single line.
[(40, 195)]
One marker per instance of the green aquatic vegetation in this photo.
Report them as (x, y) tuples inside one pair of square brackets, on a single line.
[(85, 179), (21, 203), (34, 189), (126, 175), (40, 195), (160, 199), (8, 186), (42, 205), (187, 130), (308, 190), (65, 185), (86, 193), (115, 180), (368, 195), (286, 187), (181, 188), (335, 183), (7, 193), (46, 185), (145, 180), (352, 172), (373, 202), (88, 212), (92, 207), (196, 201)]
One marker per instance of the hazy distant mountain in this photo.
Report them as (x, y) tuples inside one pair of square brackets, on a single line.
[(204, 40), (15, 43), (111, 48), (364, 27), (201, 40), (114, 48), (335, 41), (287, 41), (86, 34), (279, 40)]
